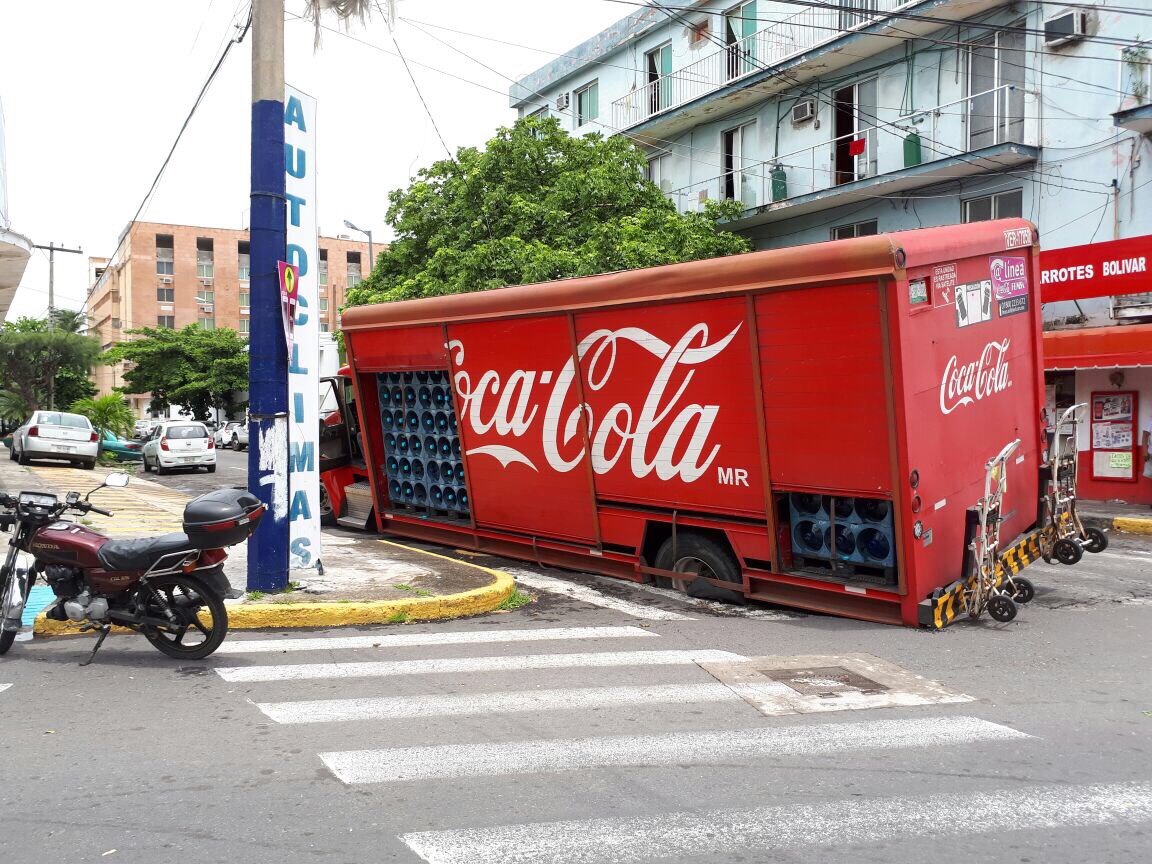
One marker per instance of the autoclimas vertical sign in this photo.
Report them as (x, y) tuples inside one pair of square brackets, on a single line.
[(304, 350)]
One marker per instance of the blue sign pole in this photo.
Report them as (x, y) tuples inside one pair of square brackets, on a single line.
[(267, 351)]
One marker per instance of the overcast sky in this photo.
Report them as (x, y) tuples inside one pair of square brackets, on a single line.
[(94, 94)]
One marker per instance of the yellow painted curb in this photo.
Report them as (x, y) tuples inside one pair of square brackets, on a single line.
[(255, 616), (1130, 525)]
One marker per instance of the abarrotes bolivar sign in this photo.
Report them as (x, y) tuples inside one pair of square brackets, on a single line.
[(304, 352)]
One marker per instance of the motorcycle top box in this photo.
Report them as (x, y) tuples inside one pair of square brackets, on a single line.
[(222, 518)]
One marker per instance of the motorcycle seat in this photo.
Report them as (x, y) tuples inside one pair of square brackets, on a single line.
[(142, 552)]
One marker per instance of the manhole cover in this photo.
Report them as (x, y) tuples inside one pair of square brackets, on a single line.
[(824, 681)]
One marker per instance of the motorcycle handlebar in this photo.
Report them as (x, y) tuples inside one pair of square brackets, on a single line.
[(94, 509)]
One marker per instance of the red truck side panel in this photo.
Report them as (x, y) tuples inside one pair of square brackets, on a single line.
[(521, 427), (821, 360), (672, 408)]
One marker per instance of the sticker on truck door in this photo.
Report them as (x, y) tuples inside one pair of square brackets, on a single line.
[(973, 303)]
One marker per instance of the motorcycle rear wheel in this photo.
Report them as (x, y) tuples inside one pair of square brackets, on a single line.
[(194, 635)]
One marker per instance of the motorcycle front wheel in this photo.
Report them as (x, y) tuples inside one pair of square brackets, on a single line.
[(201, 618), (14, 596)]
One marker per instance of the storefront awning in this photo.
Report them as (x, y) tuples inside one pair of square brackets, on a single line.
[(1098, 347)]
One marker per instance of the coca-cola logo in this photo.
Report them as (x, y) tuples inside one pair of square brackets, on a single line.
[(965, 383), (665, 434)]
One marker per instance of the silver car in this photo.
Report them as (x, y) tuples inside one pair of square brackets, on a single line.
[(55, 435), (239, 439)]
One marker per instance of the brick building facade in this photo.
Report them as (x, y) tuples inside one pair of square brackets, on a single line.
[(173, 275)]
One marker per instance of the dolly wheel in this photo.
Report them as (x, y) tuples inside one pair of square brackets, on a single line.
[(1002, 608), (1097, 540), (1025, 590), (1067, 551)]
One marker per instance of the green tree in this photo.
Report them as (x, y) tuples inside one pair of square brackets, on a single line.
[(200, 369), (37, 360), (107, 412), (536, 204)]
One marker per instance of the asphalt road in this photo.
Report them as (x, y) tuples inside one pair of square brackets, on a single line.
[(486, 740), (231, 470)]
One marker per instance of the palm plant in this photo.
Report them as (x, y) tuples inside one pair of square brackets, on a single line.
[(110, 413)]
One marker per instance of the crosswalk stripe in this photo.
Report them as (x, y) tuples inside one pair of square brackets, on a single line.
[(460, 704), (707, 748), (722, 834), (590, 595), (407, 640), (312, 671)]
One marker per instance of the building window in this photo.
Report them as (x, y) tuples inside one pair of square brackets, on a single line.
[(205, 296), (736, 184), (166, 295), (115, 323), (739, 30), (996, 88), (353, 269), (165, 255), (244, 262), (245, 326), (659, 171), (323, 326), (587, 104), (203, 257), (323, 304), (854, 131), (857, 229), (245, 299), (206, 322), (658, 65), (323, 266), (166, 322), (1002, 205)]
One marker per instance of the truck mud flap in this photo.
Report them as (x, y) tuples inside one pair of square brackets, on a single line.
[(945, 605)]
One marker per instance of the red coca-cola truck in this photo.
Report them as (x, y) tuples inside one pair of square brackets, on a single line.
[(805, 426)]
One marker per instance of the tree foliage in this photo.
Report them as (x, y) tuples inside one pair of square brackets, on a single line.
[(38, 360), (200, 369), (109, 412), (536, 204)]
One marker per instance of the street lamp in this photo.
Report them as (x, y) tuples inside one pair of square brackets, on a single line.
[(371, 259)]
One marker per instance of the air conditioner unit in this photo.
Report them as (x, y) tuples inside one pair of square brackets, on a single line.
[(165, 280), (206, 280), (804, 111), (562, 102), (1066, 27)]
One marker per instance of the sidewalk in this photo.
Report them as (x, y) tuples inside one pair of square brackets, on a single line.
[(1116, 516), (365, 579)]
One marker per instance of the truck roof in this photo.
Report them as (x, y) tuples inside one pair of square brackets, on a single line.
[(836, 261)]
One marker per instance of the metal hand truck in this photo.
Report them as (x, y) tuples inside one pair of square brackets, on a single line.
[(990, 587), (1066, 539)]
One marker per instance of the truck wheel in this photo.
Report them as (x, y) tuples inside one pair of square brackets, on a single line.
[(1097, 540), (1067, 551), (696, 556)]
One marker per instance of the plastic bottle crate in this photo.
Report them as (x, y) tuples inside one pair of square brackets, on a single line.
[(423, 463)]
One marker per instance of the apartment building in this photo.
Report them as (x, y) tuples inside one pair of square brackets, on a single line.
[(829, 119), (173, 275)]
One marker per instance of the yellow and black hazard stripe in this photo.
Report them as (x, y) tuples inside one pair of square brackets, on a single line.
[(946, 604)]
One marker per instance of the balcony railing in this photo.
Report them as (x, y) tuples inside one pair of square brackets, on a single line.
[(765, 48), (953, 129)]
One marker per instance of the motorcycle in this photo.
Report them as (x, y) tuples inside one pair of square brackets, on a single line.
[(170, 587)]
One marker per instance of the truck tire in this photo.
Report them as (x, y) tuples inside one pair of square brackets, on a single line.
[(696, 555)]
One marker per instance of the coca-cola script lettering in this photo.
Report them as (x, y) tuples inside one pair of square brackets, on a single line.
[(665, 434), (965, 383)]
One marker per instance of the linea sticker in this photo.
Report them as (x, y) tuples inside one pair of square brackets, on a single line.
[(1013, 306)]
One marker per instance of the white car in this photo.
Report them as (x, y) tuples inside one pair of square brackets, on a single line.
[(56, 435), (141, 429), (180, 444), (239, 439), (223, 435)]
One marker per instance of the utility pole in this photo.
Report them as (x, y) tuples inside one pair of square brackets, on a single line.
[(267, 351), (52, 250)]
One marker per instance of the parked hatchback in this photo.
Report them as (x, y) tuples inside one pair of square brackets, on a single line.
[(180, 444), (55, 435), (223, 435)]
